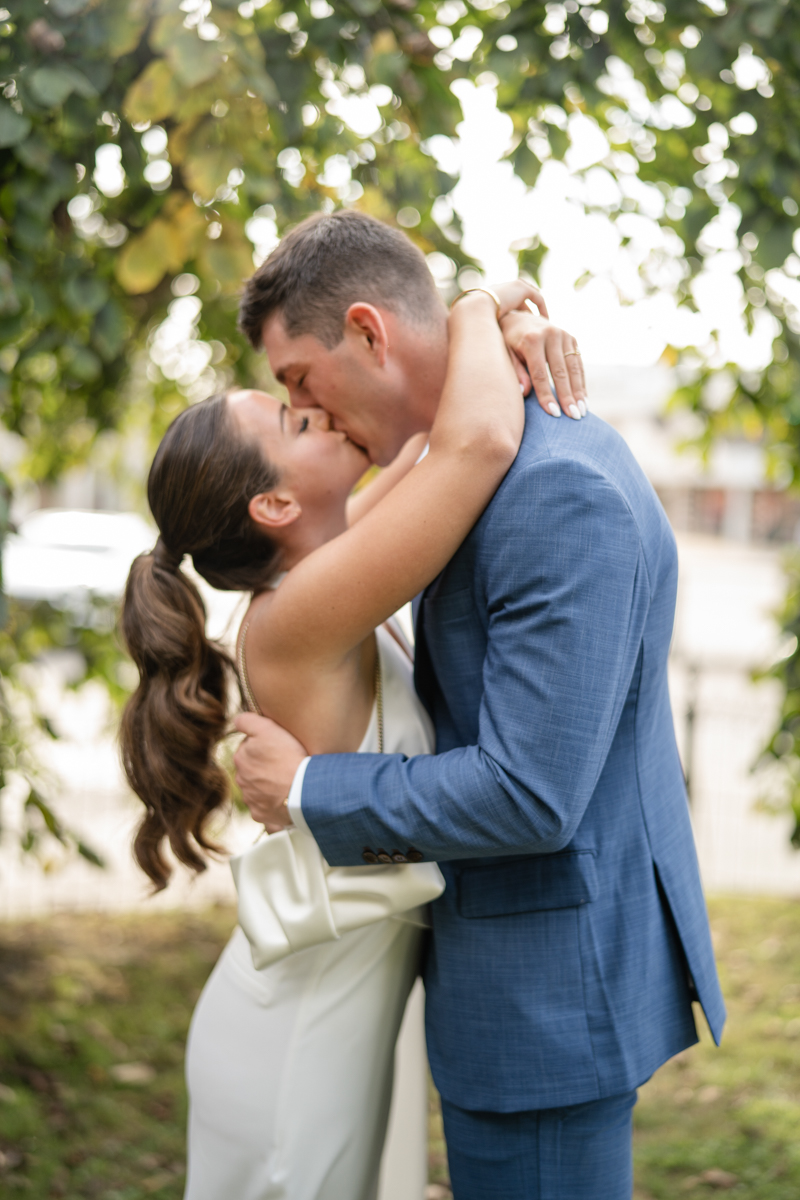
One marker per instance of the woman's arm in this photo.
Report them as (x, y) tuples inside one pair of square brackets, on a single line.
[(337, 595), (365, 499)]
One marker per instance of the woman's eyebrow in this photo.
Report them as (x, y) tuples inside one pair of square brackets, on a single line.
[(281, 417)]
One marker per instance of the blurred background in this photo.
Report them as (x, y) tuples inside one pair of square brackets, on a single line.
[(640, 162)]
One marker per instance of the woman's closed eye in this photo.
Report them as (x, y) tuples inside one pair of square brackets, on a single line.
[(303, 425)]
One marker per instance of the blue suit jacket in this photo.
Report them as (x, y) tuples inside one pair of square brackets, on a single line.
[(572, 935)]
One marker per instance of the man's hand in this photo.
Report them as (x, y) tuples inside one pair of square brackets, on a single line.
[(535, 344), (266, 763)]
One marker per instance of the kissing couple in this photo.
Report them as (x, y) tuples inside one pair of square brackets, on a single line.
[(517, 789)]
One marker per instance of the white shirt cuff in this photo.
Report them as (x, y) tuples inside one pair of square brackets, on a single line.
[(295, 805)]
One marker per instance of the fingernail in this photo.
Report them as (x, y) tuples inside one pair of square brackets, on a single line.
[(583, 408), (573, 412), (522, 388), (553, 409)]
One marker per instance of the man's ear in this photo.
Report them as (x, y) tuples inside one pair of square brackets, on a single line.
[(274, 510), (365, 323)]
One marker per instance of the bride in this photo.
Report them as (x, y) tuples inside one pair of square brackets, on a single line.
[(289, 1066)]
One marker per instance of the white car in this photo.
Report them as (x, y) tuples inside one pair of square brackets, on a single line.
[(66, 555), (58, 553)]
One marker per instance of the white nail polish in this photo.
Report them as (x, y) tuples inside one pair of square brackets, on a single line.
[(522, 388), (583, 408), (553, 409), (573, 412)]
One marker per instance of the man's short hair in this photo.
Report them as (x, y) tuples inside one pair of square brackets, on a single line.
[(329, 262)]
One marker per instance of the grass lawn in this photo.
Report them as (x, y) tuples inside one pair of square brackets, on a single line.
[(729, 1119), (94, 1012)]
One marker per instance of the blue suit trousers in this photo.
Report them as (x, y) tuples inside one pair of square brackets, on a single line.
[(580, 1152)]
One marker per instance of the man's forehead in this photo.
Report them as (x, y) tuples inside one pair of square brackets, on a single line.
[(287, 353)]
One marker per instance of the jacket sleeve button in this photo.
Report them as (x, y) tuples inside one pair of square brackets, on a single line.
[(369, 856), (384, 857), (413, 855), (398, 857)]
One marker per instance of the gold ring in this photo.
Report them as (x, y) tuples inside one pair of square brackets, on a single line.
[(577, 352)]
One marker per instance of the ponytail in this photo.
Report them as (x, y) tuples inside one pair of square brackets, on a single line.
[(203, 476), (176, 717)]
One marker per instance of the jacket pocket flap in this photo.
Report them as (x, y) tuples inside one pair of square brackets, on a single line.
[(528, 885)]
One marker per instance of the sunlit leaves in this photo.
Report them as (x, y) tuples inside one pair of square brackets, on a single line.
[(97, 218), (166, 244), (154, 95)]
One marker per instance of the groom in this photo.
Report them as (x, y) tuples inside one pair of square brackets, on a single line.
[(572, 936)]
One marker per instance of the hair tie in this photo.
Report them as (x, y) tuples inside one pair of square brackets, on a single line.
[(168, 560)]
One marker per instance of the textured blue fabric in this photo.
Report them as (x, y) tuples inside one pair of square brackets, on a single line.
[(556, 802), (582, 1152)]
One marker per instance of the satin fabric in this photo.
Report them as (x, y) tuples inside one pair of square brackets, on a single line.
[(290, 899)]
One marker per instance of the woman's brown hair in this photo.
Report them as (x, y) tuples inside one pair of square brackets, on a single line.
[(203, 476)]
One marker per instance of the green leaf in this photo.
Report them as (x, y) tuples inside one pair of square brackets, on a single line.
[(36, 154), (51, 86), (14, 128), (90, 855), (9, 300), (108, 334), (154, 95), (83, 364), (142, 262), (206, 172), (559, 141), (84, 293), (765, 20), (229, 260), (30, 232), (54, 826), (193, 61), (526, 164), (68, 8), (775, 245)]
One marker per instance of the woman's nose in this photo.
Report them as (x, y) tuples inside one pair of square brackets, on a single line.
[(317, 417)]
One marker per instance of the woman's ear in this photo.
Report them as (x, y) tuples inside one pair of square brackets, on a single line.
[(274, 510)]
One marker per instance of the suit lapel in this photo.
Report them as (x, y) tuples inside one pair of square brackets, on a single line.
[(416, 610), (424, 679)]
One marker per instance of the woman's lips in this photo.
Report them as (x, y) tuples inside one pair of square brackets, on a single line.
[(360, 449)]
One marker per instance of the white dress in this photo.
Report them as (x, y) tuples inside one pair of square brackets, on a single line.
[(290, 1068)]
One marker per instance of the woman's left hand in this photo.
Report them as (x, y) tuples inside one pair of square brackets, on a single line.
[(536, 344)]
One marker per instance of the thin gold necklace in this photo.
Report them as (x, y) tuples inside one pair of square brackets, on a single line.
[(252, 703)]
